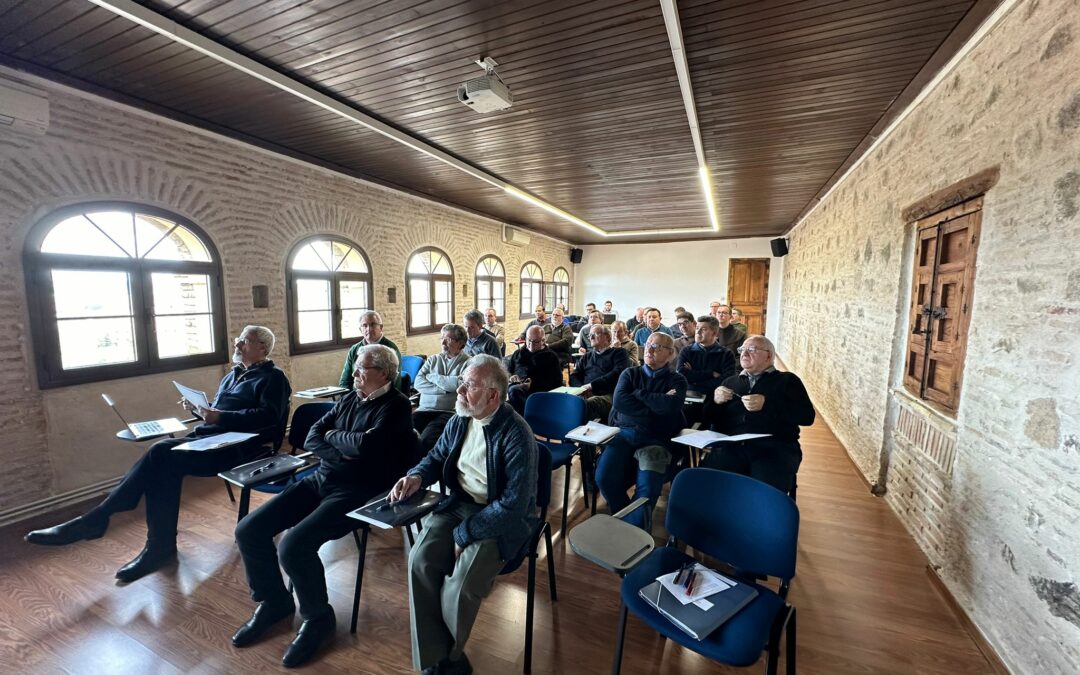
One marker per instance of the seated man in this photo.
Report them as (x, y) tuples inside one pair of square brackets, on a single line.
[(738, 319), (365, 442), (706, 363), (610, 309), (620, 337), (686, 327), (371, 327), (437, 381), (541, 320), (479, 341), (253, 397), (535, 368), (647, 408), (483, 523), (560, 337), (497, 331), (729, 336), (636, 321), (598, 371), (760, 400), (652, 325), (582, 344)]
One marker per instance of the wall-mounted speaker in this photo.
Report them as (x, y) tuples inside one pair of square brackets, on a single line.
[(779, 247), (575, 255)]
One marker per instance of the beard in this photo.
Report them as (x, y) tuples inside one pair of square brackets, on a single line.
[(237, 357), (463, 408)]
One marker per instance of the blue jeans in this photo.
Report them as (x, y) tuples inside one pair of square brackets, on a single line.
[(618, 469)]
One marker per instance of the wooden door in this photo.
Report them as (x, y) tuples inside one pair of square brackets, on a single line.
[(748, 291)]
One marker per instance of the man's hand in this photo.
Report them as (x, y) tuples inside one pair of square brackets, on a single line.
[(723, 395), (753, 402), (715, 375), (586, 391), (670, 392), (526, 384), (457, 551), (686, 366), (403, 489), (581, 350), (209, 415)]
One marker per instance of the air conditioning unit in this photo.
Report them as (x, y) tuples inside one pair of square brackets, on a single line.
[(23, 108), (515, 237)]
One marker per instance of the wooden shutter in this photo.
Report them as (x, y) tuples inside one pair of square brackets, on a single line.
[(940, 308)]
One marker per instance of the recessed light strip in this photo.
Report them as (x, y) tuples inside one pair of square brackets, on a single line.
[(535, 201)]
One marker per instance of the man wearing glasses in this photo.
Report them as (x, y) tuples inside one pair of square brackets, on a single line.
[(684, 333), (759, 400), (729, 336), (535, 368), (648, 409), (371, 328), (598, 372), (486, 459), (253, 397)]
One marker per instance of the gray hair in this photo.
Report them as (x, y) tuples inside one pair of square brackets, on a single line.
[(371, 312), (457, 333), (382, 357), (765, 342), (474, 316), (264, 335), (598, 329), (493, 371), (664, 339)]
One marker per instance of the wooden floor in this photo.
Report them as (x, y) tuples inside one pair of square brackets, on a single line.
[(864, 600)]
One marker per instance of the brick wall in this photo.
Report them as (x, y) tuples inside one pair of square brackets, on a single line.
[(254, 206), (992, 496)]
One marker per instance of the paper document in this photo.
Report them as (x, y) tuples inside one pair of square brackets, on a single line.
[(694, 397), (708, 582), (216, 441), (193, 396), (593, 432), (573, 391), (703, 439), (322, 392)]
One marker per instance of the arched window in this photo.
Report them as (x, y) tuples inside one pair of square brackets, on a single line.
[(560, 289), (117, 290), (491, 286), (329, 287), (429, 291), (532, 289)]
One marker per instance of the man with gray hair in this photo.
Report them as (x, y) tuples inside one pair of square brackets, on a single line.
[(253, 397), (759, 400), (483, 522), (437, 383), (371, 328), (365, 442), (479, 341), (598, 371)]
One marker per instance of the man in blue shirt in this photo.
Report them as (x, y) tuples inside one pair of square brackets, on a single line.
[(479, 341), (652, 325)]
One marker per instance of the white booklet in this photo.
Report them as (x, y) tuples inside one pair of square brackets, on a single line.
[(216, 441), (593, 432), (703, 439), (573, 391), (193, 396)]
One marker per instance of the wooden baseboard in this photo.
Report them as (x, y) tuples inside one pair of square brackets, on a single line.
[(996, 665), (18, 513)]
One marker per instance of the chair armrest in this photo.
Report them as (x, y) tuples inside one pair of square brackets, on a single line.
[(630, 508)]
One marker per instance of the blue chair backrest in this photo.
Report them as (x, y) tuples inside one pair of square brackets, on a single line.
[(552, 415), (410, 365), (736, 519), (305, 416)]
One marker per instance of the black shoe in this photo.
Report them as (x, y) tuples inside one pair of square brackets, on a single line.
[(265, 616), (313, 634), (459, 667), (150, 559), (70, 532)]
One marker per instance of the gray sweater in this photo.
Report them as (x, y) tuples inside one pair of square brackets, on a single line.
[(438, 380)]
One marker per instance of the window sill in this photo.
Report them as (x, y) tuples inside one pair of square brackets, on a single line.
[(944, 420)]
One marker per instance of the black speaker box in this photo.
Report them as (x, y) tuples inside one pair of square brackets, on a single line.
[(575, 255), (779, 247)]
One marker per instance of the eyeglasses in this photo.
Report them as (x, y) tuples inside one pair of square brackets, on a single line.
[(472, 386), (248, 340), (656, 348), (723, 313), (751, 350)]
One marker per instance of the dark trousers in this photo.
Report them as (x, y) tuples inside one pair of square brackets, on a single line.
[(314, 508), (516, 396), (159, 475), (772, 462), (430, 424), (618, 469)]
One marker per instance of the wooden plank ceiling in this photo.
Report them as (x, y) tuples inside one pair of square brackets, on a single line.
[(786, 90)]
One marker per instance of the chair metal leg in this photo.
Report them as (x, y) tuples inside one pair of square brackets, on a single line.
[(791, 644), (245, 504), (409, 535), (228, 488), (361, 547), (529, 602), (617, 666), (566, 496), (550, 565)]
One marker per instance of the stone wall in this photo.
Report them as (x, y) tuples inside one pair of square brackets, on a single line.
[(993, 494), (255, 206)]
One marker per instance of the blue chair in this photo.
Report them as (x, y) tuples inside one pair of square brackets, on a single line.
[(746, 524), (551, 416), (303, 418), (410, 366)]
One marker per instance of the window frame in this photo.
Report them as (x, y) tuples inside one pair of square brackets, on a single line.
[(432, 279), (336, 341), (560, 285), (528, 310), (477, 277), (37, 271)]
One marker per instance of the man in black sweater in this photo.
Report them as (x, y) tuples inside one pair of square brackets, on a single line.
[(365, 442), (535, 368), (759, 400), (598, 371)]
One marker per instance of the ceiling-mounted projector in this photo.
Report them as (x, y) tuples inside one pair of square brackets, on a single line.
[(488, 93)]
